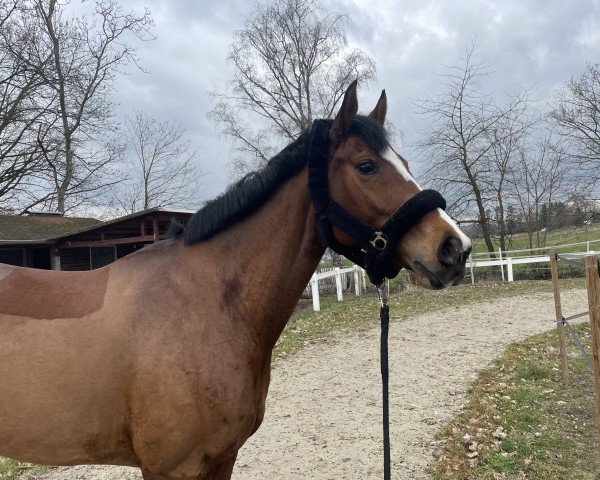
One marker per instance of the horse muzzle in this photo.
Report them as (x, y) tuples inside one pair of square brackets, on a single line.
[(448, 268)]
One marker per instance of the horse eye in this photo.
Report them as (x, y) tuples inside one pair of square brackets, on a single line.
[(368, 167)]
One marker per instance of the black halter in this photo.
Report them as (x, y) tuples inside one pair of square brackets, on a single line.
[(381, 243)]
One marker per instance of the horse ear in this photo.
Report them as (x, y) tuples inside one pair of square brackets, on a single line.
[(346, 115), (380, 109)]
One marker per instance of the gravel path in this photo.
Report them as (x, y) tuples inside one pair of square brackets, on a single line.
[(323, 417)]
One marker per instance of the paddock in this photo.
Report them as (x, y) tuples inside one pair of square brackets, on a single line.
[(323, 417)]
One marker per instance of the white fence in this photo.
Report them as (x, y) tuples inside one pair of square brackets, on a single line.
[(505, 259), (507, 262), (359, 279), (579, 246)]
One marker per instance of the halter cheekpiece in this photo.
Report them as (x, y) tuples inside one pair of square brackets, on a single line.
[(380, 244)]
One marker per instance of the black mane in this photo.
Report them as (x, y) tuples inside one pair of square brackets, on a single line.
[(248, 194)]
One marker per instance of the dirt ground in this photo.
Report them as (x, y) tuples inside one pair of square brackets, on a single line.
[(323, 417)]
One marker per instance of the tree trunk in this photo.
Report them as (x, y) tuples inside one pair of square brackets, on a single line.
[(336, 258), (483, 218), (501, 222), (63, 186), (478, 199), (60, 202)]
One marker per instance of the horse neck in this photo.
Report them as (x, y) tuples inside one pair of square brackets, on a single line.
[(266, 260)]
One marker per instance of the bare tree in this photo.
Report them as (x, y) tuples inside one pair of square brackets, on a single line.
[(163, 169), (507, 138), (539, 178), (291, 64), (458, 141), (77, 59), (22, 108), (576, 114)]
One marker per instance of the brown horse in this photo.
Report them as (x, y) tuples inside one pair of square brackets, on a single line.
[(162, 359)]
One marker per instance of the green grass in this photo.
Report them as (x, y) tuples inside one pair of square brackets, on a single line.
[(554, 238), (12, 469), (521, 420)]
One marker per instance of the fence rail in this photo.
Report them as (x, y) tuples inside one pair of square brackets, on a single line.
[(587, 244), (508, 258), (334, 279)]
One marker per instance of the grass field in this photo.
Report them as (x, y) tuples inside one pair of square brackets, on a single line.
[(520, 421), (555, 238)]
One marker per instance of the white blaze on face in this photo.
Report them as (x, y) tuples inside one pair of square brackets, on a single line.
[(391, 156), (398, 164), (466, 241)]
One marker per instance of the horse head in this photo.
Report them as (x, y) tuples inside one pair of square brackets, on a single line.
[(371, 182)]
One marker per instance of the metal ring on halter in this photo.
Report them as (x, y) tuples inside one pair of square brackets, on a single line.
[(378, 241)]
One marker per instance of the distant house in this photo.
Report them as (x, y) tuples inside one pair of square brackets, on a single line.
[(52, 241)]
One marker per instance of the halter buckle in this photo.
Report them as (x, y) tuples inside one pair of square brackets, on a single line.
[(378, 241)]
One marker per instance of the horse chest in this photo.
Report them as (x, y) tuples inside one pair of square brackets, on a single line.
[(208, 410), (242, 400)]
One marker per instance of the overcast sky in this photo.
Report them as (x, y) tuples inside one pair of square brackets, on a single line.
[(528, 42)]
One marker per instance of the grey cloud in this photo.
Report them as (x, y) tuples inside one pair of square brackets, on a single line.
[(527, 42)]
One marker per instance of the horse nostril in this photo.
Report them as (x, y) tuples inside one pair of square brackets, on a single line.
[(450, 251)]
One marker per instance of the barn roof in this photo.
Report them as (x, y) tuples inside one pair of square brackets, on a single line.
[(41, 227), (132, 216), (48, 228)]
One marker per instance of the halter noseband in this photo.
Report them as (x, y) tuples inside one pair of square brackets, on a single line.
[(380, 243)]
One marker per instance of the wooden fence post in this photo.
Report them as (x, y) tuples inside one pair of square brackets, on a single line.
[(509, 269), (559, 317), (314, 289), (501, 265), (593, 288)]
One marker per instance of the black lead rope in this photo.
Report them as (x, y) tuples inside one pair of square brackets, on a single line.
[(384, 315)]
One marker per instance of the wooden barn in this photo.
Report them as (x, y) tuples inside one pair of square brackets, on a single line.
[(52, 241)]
